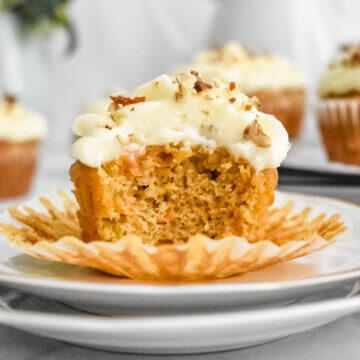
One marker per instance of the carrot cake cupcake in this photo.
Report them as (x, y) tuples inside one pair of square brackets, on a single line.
[(277, 83), (20, 135), (179, 157), (174, 183), (339, 108)]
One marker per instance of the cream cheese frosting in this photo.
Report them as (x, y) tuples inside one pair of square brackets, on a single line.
[(342, 76), (17, 124), (232, 62), (181, 110)]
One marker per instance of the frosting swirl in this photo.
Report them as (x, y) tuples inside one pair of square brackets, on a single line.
[(16, 124), (181, 110), (232, 62), (342, 76)]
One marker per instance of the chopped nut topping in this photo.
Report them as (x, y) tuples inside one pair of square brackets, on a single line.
[(186, 85), (232, 86), (232, 100), (255, 133), (254, 101), (206, 112), (355, 57), (200, 85), (178, 96), (132, 109), (208, 97), (124, 101)]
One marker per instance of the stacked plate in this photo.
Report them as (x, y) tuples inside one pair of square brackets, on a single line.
[(86, 307)]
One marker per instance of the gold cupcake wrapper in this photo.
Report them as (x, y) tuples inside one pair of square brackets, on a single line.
[(339, 124), (55, 236)]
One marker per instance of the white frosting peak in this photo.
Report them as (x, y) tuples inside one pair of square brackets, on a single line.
[(178, 110), (342, 77), (16, 124), (232, 62)]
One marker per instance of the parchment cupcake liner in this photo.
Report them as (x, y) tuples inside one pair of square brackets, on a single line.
[(54, 236), (339, 124)]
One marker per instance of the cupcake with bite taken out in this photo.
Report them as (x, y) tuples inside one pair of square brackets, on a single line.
[(277, 83), (339, 107), (174, 182), (179, 157), (20, 135)]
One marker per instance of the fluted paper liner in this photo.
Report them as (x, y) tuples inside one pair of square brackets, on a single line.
[(55, 236), (339, 124)]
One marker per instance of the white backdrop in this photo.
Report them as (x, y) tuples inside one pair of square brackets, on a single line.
[(123, 43)]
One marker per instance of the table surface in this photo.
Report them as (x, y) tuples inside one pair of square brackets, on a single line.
[(337, 340)]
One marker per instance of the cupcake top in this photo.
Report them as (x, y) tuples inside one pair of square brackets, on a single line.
[(232, 62), (17, 124), (342, 77), (99, 107), (181, 110)]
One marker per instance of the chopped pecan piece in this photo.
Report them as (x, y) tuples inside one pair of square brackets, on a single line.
[(200, 85), (124, 101), (255, 133)]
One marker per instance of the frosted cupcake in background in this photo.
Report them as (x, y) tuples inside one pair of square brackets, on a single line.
[(20, 135), (277, 83), (339, 108)]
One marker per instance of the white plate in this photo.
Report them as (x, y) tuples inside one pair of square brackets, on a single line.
[(99, 293), (191, 333)]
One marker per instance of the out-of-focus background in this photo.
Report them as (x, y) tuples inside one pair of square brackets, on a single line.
[(120, 44)]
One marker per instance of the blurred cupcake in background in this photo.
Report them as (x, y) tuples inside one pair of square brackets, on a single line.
[(20, 135), (277, 83), (339, 108)]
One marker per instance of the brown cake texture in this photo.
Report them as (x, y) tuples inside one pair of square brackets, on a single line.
[(17, 166), (287, 105), (172, 192)]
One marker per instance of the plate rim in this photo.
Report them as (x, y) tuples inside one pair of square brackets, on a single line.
[(191, 288), (342, 305)]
